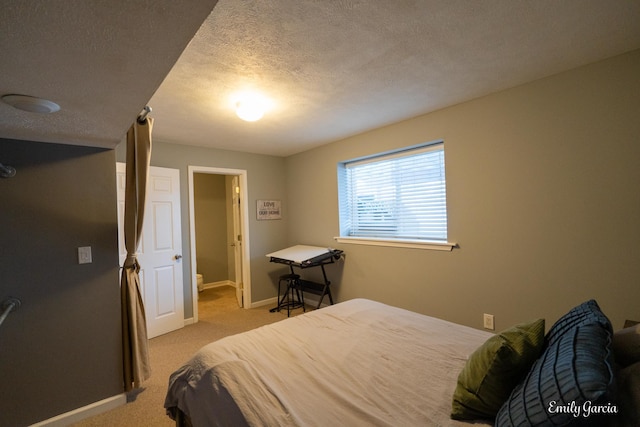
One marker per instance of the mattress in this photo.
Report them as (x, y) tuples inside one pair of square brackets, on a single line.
[(355, 363)]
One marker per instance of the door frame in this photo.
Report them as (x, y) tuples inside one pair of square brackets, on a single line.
[(244, 229), (237, 235)]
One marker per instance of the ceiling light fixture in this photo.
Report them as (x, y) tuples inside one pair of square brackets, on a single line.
[(250, 106), (249, 111), (31, 104)]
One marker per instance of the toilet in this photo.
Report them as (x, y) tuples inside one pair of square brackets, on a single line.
[(199, 281)]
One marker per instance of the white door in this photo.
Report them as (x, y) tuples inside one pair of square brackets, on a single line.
[(237, 240), (160, 249)]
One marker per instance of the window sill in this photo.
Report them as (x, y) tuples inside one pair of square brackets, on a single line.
[(398, 243)]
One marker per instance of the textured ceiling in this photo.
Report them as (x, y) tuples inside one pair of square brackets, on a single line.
[(337, 68), (331, 69), (100, 60)]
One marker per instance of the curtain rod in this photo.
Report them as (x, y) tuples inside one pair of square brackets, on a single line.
[(9, 305), (143, 115)]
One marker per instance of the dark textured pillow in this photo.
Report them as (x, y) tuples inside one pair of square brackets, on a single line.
[(576, 368), (584, 314), (494, 369)]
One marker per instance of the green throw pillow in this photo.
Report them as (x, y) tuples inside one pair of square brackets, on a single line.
[(494, 369)]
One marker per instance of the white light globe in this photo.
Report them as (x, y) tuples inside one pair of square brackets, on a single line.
[(250, 110)]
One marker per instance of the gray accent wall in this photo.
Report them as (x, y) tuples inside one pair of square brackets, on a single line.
[(543, 188), (61, 349)]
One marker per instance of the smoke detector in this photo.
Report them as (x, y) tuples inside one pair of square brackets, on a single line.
[(31, 104)]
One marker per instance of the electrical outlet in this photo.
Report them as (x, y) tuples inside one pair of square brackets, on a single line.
[(84, 255), (488, 322)]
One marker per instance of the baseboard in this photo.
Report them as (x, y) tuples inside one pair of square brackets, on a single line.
[(218, 284), (264, 302), (80, 414), (313, 301), (309, 302)]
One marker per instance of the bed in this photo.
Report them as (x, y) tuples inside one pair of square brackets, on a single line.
[(362, 362), (358, 362)]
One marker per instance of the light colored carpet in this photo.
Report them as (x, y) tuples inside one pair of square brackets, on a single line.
[(219, 316)]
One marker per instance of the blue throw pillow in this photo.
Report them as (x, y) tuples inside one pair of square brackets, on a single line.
[(586, 313), (574, 372)]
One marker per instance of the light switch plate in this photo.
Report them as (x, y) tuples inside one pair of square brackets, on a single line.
[(84, 255), (489, 322)]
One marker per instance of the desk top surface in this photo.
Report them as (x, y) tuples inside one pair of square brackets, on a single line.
[(299, 253)]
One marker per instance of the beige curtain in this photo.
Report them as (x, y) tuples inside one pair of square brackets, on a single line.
[(134, 325)]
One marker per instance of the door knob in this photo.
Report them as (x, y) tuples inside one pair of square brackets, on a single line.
[(177, 256)]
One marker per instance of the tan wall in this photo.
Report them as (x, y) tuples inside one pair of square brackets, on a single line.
[(542, 184), (210, 206)]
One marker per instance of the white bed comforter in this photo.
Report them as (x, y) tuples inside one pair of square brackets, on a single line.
[(357, 363)]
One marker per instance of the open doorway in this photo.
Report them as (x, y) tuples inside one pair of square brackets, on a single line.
[(227, 240)]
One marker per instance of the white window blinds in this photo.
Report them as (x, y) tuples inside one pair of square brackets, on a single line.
[(400, 195)]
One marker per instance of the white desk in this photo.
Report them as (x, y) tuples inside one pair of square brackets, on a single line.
[(303, 256)]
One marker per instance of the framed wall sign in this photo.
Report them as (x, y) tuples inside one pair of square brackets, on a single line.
[(269, 209)]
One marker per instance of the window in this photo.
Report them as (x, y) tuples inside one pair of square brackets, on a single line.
[(395, 197)]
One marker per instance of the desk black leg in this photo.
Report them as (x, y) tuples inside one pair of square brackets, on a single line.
[(326, 290), (300, 293), (321, 298), (329, 293)]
